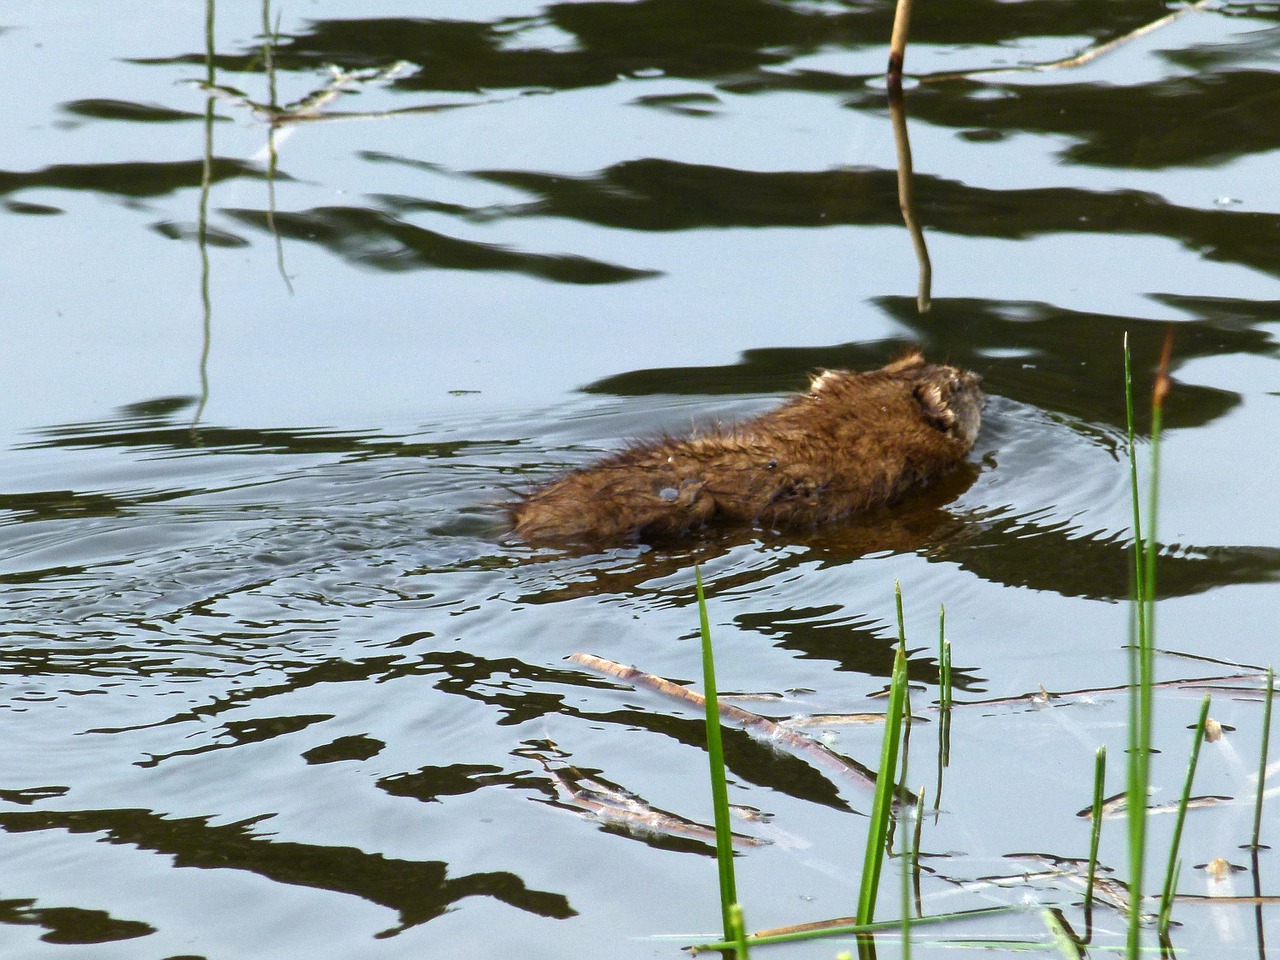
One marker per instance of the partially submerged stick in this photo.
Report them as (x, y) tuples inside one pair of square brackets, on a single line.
[(610, 805), (906, 202), (1079, 59), (753, 723)]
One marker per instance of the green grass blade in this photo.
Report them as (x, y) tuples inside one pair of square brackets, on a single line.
[(715, 755), (944, 704), (1063, 938), (738, 930), (1170, 878), (1166, 903), (1262, 759), (1095, 832), (1138, 761), (855, 929), (1142, 637), (882, 803)]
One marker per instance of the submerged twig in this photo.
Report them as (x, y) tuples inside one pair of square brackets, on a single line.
[(310, 108), (616, 807), (1079, 59), (753, 723)]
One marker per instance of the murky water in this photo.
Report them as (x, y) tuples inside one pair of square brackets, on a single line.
[(276, 684)]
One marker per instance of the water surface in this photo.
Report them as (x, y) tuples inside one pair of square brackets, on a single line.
[(276, 681)]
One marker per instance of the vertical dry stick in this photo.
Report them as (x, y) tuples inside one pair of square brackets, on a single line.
[(898, 42), (898, 117)]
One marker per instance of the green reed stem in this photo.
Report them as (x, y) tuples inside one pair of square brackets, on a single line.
[(1175, 865), (855, 929), (882, 803), (1142, 637), (904, 864), (1166, 899), (1095, 831), (1138, 759), (1262, 759), (715, 754), (738, 929)]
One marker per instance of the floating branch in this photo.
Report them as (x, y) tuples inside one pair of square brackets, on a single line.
[(615, 807), (1079, 59), (753, 723)]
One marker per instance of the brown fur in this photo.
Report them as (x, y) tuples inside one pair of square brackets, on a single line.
[(853, 442)]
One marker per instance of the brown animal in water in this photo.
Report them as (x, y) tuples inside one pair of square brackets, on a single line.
[(853, 442)]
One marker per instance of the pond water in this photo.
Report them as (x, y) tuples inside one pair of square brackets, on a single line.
[(295, 296)]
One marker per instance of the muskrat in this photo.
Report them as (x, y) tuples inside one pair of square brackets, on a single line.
[(853, 442)]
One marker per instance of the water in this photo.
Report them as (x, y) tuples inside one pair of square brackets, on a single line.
[(277, 683)]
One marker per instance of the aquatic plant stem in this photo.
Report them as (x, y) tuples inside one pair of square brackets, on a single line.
[(882, 803), (1095, 834), (1142, 638), (1171, 873), (1262, 760), (906, 198), (1137, 759), (715, 755), (898, 41), (738, 928)]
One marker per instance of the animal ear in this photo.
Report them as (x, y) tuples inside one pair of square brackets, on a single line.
[(908, 361), (821, 380), (934, 406)]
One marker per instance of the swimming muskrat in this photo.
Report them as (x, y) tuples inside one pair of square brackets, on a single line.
[(853, 442)]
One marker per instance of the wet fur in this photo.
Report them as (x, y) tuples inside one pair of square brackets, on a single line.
[(854, 441)]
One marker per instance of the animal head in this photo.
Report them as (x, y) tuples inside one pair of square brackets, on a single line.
[(950, 399)]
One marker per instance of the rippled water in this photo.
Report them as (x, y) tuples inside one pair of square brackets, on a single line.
[(276, 682)]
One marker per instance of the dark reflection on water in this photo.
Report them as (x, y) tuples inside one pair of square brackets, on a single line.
[(721, 38), (106, 109), (1042, 355), (304, 652), (236, 733), (656, 194), (417, 890), (155, 425), (383, 242), (1199, 119), (72, 925), (136, 179)]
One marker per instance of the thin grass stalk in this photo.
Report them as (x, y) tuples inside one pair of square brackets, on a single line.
[(915, 852), (1262, 759), (856, 929), (882, 803), (1142, 640), (715, 754), (1063, 938), (1159, 392), (739, 930), (1137, 765), (944, 681), (904, 863), (1095, 834), (902, 624), (904, 858), (1134, 488), (1170, 878)]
